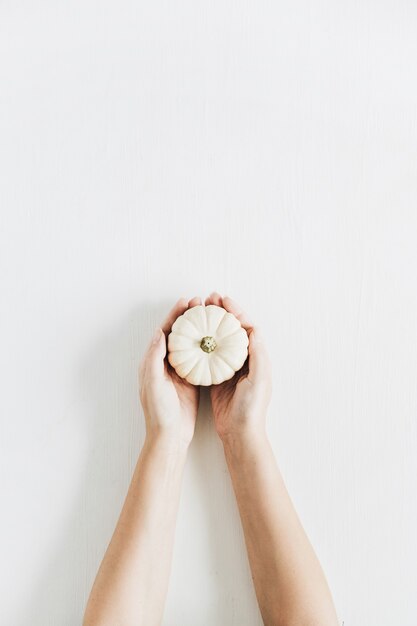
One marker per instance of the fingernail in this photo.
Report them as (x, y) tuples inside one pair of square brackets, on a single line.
[(156, 336)]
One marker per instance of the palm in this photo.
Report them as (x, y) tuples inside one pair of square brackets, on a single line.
[(229, 401), (240, 403), (183, 396), (170, 404)]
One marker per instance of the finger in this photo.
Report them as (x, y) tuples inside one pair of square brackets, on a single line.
[(194, 302), (259, 362), (154, 359), (177, 310), (214, 298), (233, 307)]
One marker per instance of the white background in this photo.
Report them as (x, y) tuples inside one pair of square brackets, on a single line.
[(151, 150)]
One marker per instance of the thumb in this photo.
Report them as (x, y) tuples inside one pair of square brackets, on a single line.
[(259, 362), (156, 353)]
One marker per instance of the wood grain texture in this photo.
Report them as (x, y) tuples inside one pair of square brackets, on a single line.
[(150, 150)]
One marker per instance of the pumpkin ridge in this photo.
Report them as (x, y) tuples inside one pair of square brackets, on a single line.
[(232, 334), (194, 360), (228, 320), (180, 354), (214, 364), (221, 319), (239, 361), (178, 329), (223, 357), (191, 320), (186, 341), (201, 362)]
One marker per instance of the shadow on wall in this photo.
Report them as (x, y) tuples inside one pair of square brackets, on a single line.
[(114, 427)]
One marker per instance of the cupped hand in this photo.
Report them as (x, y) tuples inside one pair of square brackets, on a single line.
[(240, 404), (169, 402)]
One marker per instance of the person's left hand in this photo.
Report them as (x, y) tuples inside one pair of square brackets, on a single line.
[(169, 402)]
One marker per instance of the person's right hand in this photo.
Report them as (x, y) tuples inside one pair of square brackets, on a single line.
[(240, 404), (169, 402)]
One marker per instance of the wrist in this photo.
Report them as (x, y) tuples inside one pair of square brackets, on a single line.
[(166, 443), (245, 440)]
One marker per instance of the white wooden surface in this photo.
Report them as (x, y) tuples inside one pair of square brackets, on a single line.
[(150, 150)]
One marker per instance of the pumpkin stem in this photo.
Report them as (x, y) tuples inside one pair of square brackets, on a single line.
[(208, 344)]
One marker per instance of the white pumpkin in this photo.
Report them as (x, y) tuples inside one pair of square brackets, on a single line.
[(207, 345)]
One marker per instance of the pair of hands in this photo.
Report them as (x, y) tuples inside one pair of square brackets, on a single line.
[(170, 403)]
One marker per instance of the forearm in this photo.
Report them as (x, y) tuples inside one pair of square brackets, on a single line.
[(289, 582), (131, 585)]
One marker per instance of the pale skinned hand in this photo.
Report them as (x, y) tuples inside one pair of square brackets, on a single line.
[(169, 403), (240, 404)]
